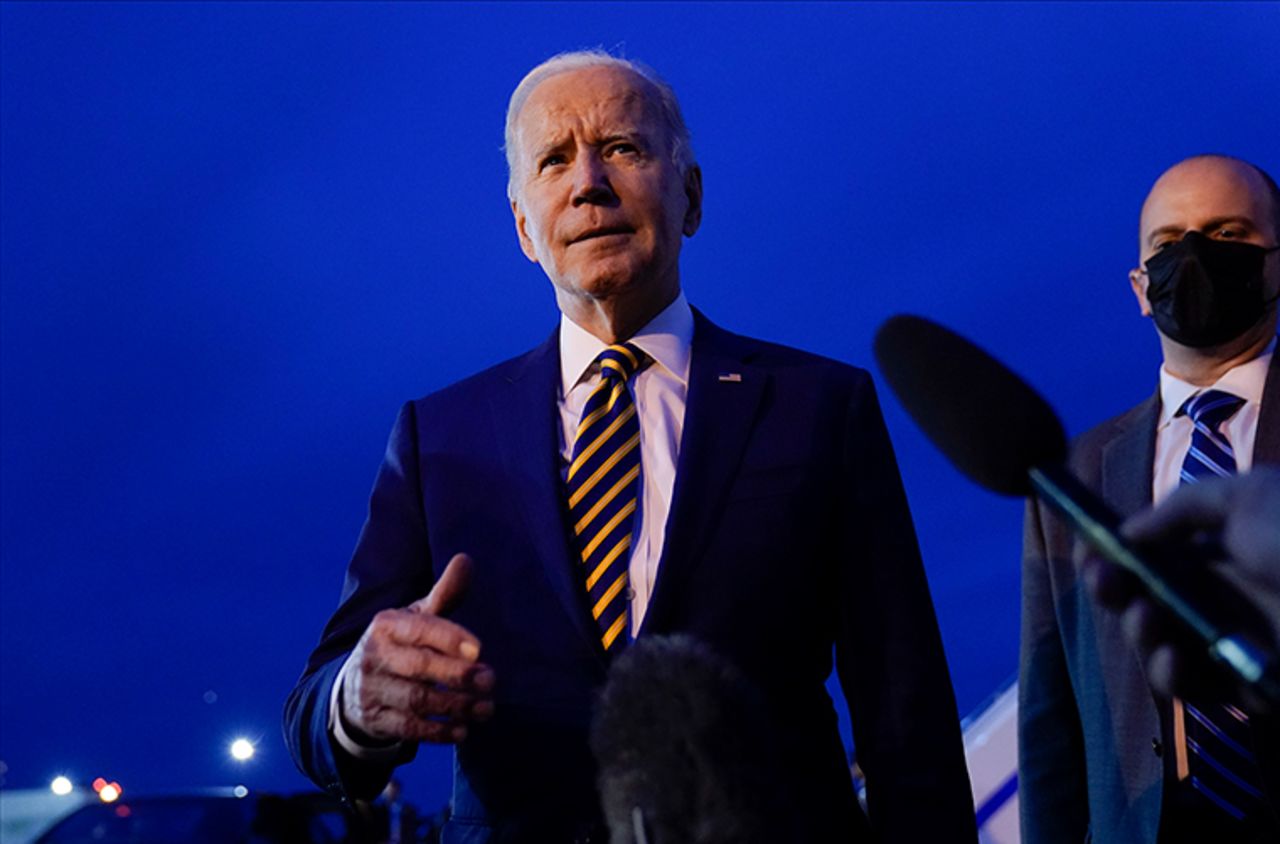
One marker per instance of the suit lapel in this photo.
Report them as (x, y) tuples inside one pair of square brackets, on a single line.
[(1128, 461), (720, 411), (1266, 449), (1266, 444), (529, 393)]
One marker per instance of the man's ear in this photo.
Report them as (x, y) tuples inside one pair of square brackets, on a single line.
[(1138, 281), (693, 192), (526, 242)]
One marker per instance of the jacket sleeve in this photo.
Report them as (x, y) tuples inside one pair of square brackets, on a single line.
[(889, 652), (1052, 795), (391, 567)]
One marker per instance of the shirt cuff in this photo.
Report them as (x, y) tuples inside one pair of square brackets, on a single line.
[(343, 735)]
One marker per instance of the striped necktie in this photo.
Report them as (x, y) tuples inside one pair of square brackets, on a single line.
[(1210, 454), (603, 483), (1221, 762)]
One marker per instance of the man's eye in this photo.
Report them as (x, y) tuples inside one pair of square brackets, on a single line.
[(1164, 244), (1229, 233), (550, 161), (623, 148)]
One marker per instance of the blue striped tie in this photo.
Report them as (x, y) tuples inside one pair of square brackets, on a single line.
[(603, 483), (1210, 454), (1221, 762)]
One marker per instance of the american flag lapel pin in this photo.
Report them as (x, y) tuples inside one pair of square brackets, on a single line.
[(732, 377)]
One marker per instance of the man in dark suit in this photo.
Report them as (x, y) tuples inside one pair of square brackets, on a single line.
[(641, 472), (1099, 751)]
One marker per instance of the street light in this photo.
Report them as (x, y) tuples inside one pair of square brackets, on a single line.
[(61, 786), (242, 750)]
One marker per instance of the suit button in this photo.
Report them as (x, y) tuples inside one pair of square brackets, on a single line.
[(630, 594), (1157, 748)]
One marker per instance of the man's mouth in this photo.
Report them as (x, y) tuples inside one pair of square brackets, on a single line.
[(602, 231)]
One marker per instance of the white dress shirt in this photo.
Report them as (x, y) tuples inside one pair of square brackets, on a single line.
[(1173, 433), (660, 391)]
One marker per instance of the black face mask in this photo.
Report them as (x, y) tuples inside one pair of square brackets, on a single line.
[(1205, 292)]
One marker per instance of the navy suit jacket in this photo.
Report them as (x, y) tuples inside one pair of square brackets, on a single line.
[(788, 534), (1090, 738)]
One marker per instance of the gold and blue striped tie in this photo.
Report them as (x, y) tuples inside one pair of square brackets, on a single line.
[(603, 483)]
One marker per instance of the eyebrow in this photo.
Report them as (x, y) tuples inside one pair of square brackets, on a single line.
[(630, 134), (549, 147), (621, 133), (1211, 224)]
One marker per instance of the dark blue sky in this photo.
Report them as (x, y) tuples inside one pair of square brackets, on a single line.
[(235, 237)]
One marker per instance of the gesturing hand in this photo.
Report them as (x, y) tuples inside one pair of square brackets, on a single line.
[(415, 675)]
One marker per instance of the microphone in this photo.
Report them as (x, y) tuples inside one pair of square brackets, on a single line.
[(682, 741), (1000, 433)]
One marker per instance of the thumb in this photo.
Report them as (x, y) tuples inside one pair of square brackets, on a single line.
[(448, 590)]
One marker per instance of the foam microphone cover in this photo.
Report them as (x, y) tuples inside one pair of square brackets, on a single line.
[(988, 422)]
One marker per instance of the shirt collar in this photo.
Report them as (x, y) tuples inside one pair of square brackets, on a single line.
[(1245, 381), (667, 338)]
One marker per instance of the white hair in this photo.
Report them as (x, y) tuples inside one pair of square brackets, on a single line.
[(681, 150)]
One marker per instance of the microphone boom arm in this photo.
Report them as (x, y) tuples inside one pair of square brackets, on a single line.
[(1098, 525)]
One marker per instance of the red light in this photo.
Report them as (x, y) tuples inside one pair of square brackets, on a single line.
[(123, 811), (99, 784)]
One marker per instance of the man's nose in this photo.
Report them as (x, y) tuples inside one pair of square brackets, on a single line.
[(591, 181)]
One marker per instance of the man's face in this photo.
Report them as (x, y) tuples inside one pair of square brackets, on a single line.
[(1219, 198), (599, 202)]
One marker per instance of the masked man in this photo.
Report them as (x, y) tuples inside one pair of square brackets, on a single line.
[(1100, 752)]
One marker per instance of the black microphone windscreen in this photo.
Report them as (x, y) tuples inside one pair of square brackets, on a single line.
[(988, 422), (680, 733)]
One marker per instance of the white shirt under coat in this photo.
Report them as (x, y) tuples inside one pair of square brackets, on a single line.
[(1173, 432)]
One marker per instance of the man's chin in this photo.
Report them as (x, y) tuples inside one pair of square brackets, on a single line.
[(602, 285), (1259, 335)]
